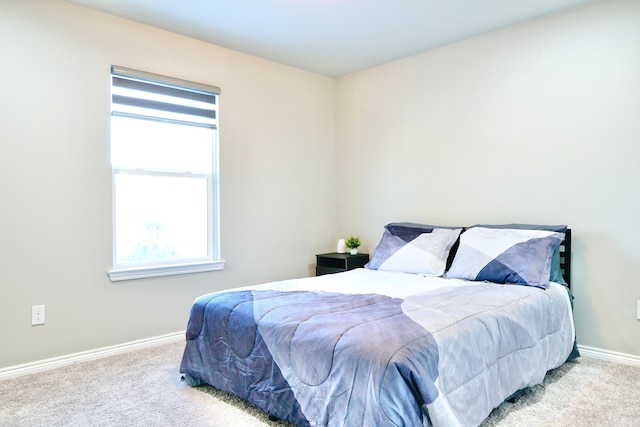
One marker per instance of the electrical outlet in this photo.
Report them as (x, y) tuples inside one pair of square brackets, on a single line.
[(37, 315)]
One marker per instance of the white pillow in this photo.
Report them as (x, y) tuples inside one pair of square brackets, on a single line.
[(506, 256), (411, 250)]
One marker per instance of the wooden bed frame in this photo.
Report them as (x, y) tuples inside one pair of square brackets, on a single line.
[(565, 257)]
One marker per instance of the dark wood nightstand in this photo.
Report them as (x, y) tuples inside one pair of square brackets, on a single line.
[(334, 262)]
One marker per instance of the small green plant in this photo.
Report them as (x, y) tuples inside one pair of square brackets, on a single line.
[(352, 242)]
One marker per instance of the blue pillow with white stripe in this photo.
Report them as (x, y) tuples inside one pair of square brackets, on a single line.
[(412, 249), (508, 256)]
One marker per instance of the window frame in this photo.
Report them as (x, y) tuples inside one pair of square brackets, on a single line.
[(160, 268)]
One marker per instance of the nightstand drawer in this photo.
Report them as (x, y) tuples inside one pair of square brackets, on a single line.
[(335, 262), (327, 270)]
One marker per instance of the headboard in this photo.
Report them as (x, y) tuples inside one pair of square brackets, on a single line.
[(565, 257)]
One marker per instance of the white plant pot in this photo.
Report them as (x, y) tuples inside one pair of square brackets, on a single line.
[(353, 251)]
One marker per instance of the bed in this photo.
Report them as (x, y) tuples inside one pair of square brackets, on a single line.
[(440, 327)]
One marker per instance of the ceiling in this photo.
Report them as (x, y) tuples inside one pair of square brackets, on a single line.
[(330, 37)]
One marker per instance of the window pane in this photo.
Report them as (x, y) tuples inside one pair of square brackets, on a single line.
[(154, 145), (160, 218)]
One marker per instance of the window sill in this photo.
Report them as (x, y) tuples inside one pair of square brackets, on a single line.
[(165, 270)]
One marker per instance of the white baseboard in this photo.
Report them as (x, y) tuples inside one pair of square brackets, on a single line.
[(85, 356), (608, 355)]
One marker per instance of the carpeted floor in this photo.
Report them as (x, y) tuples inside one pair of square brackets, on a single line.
[(143, 388)]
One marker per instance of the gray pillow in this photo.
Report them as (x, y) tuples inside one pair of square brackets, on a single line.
[(411, 249), (556, 271), (509, 256)]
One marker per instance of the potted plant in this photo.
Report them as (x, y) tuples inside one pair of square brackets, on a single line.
[(353, 243)]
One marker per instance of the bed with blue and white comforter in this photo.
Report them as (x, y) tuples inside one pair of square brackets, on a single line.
[(377, 348)]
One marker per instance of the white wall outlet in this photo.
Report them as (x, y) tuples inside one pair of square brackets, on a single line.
[(37, 315)]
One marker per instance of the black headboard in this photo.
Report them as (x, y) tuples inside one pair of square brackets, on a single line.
[(565, 257)]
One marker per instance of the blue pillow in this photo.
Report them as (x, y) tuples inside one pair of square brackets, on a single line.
[(413, 249), (502, 255), (556, 271), (427, 228)]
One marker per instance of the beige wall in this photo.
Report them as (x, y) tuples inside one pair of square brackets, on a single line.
[(277, 160), (537, 123)]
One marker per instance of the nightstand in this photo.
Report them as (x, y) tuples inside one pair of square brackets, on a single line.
[(334, 262)]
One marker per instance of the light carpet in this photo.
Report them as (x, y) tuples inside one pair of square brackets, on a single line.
[(143, 388)]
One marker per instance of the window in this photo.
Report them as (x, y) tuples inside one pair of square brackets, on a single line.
[(164, 175)]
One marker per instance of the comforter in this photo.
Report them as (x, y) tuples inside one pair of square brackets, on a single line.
[(372, 348)]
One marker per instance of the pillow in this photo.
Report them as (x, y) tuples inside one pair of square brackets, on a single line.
[(425, 227), (503, 255), (428, 228), (556, 271), (412, 249)]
